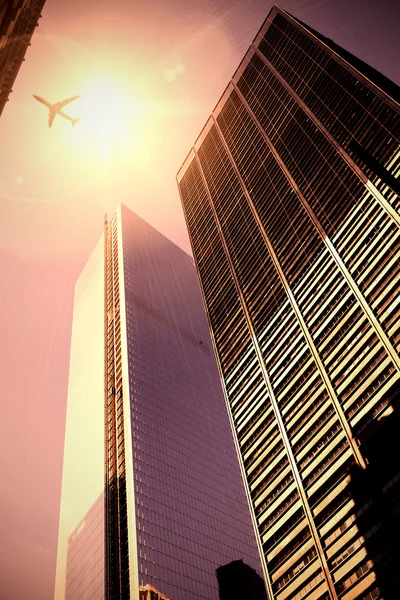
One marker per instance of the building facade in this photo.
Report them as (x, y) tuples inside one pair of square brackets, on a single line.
[(291, 197), (18, 20), (85, 555), (153, 500)]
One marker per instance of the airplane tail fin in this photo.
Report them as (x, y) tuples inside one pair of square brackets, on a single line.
[(74, 121)]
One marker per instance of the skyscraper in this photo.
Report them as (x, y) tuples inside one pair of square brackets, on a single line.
[(18, 19), (291, 197), (153, 500)]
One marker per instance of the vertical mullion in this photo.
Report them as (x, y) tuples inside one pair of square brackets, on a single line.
[(358, 172), (324, 236), (278, 417), (297, 312)]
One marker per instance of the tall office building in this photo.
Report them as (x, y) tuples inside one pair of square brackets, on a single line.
[(153, 500), (18, 20), (291, 197)]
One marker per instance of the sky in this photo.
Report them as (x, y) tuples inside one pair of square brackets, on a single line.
[(149, 74)]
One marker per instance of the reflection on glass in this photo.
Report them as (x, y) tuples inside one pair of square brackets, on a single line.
[(148, 592), (83, 469), (85, 558)]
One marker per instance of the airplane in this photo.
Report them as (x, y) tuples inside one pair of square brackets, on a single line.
[(56, 109)]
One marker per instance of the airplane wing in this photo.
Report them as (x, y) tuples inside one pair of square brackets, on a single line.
[(52, 114), (42, 100), (66, 101)]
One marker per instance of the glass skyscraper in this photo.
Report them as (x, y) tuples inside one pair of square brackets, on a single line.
[(153, 501), (291, 196)]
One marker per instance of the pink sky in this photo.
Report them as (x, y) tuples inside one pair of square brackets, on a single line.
[(171, 63)]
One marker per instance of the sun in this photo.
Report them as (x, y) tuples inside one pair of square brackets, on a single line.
[(111, 118), (121, 111)]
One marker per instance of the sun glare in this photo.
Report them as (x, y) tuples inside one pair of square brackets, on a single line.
[(128, 110), (111, 119)]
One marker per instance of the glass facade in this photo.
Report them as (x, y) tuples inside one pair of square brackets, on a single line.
[(174, 503), (292, 203), (85, 556), (81, 526)]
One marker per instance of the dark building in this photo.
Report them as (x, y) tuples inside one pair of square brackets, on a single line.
[(291, 196), (18, 19), (143, 373), (238, 581)]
